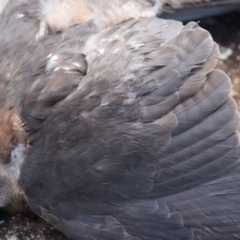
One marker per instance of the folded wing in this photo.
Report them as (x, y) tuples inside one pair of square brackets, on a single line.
[(140, 142)]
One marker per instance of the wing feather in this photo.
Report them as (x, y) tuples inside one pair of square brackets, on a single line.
[(142, 144)]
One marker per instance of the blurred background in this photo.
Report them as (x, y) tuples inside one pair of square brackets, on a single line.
[(225, 30)]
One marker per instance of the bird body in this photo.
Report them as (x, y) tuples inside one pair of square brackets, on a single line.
[(124, 133), (58, 15), (55, 13)]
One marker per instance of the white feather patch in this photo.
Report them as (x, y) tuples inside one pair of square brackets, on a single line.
[(17, 157)]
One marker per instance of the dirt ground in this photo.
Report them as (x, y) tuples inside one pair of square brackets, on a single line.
[(226, 32), (27, 227)]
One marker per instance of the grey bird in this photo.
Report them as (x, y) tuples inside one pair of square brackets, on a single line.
[(58, 15), (55, 13), (124, 133)]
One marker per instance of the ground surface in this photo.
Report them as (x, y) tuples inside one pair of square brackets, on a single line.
[(226, 32), (27, 227)]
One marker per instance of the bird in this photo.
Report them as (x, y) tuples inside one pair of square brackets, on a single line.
[(55, 13), (128, 132)]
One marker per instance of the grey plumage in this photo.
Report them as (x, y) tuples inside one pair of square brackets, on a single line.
[(132, 134), (117, 11)]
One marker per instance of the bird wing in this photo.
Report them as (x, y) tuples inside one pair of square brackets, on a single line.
[(141, 123)]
